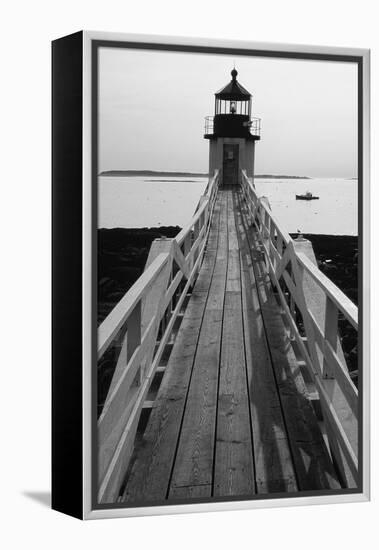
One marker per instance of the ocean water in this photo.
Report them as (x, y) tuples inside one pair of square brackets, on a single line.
[(335, 213), (150, 202)]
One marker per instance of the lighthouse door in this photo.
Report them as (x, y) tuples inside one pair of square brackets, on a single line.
[(230, 164)]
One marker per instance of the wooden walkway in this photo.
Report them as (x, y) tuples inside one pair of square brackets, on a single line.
[(232, 416)]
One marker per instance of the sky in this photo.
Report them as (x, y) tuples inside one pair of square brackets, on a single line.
[(152, 107)]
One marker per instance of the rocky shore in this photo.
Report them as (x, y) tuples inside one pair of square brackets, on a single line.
[(122, 255)]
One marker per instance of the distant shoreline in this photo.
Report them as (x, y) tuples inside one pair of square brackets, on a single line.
[(128, 173), (123, 173)]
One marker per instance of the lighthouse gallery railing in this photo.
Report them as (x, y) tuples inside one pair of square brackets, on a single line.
[(253, 125), (294, 276), (140, 325)]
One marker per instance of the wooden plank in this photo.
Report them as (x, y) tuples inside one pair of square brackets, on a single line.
[(274, 470), (193, 468), (234, 466), (194, 460), (150, 475), (232, 231), (233, 281), (151, 471), (191, 492), (314, 468)]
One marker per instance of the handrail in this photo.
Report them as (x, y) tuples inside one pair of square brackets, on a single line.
[(140, 326), (342, 302), (298, 281)]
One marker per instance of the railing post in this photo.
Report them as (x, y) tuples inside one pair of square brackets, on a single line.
[(202, 219), (196, 230), (198, 226), (331, 333), (297, 275), (152, 301), (134, 334), (187, 245), (265, 228), (279, 245), (292, 307), (255, 205), (271, 244)]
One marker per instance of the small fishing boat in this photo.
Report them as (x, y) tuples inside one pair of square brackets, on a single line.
[(307, 197)]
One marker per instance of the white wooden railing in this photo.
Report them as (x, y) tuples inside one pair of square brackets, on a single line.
[(299, 283), (141, 325)]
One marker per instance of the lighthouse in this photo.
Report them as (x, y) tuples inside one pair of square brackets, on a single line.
[(232, 133)]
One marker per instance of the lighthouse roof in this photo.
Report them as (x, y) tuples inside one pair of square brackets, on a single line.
[(234, 90)]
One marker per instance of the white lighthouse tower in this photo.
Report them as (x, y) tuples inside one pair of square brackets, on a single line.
[(232, 133)]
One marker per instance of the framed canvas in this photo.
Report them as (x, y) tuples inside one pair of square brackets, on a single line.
[(210, 275)]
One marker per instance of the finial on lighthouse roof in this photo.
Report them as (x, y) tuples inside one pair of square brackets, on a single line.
[(233, 90)]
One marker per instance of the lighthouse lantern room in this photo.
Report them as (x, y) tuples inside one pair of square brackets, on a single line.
[(232, 133)]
